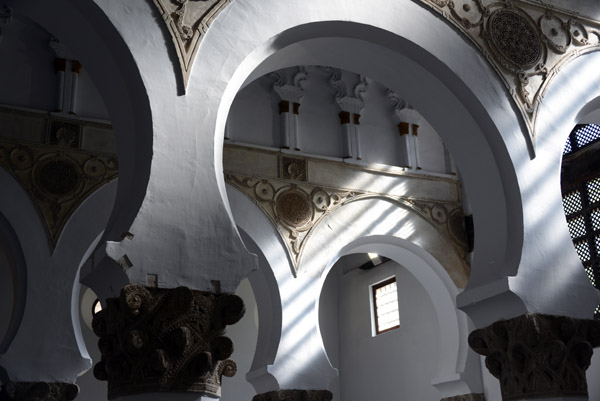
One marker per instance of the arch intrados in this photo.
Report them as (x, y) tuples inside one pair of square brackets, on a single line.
[(445, 101), (438, 285), (87, 31)]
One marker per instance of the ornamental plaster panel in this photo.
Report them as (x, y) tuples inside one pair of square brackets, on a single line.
[(527, 42), (58, 179), (187, 22), (296, 207)]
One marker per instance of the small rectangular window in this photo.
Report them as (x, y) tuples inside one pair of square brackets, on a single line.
[(385, 306)]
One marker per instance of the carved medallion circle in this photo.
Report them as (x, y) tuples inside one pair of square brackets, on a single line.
[(58, 177), (294, 208), (515, 38)]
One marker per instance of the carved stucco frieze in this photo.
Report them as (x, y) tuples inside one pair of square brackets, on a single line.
[(538, 356), (295, 395), (187, 22), (58, 178), (526, 41), (155, 339), (296, 208), (465, 397), (40, 391)]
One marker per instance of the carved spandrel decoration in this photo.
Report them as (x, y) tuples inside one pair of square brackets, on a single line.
[(293, 168), (187, 22), (538, 356), (39, 391), (58, 179), (156, 339), (295, 395), (296, 208), (526, 41)]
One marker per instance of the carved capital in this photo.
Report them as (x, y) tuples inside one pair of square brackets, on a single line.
[(295, 395), (465, 397), (537, 355), (40, 391), (155, 339)]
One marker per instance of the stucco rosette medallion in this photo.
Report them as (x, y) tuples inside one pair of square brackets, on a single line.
[(58, 179), (538, 356), (155, 339), (525, 41), (188, 21)]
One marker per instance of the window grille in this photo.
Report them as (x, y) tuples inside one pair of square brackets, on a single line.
[(385, 306), (581, 199)]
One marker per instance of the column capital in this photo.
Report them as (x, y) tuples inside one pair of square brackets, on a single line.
[(537, 356), (40, 391), (156, 339), (295, 395)]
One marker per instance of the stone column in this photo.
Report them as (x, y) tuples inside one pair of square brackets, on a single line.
[(166, 340), (539, 356), (39, 391), (294, 395)]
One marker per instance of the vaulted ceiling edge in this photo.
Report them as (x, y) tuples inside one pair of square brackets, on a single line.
[(187, 22), (526, 41)]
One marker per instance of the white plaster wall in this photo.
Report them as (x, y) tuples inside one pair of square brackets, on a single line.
[(7, 293), (254, 119), (28, 77), (244, 335), (399, 364)]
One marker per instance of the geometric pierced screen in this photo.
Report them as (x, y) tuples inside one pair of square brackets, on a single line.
[(572, 203), (581, 202), (577, 227), (587, 134), (580, 137)]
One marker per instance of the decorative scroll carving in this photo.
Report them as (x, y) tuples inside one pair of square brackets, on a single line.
[(297, 208), (155, 339), (187, 22), (58, 179), (538, 356), (40, 391), (526, 41), (466, 397), (295, 395), (292, 168)]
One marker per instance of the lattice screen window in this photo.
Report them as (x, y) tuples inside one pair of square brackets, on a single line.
[(385, 306), (581, 198), (582, 136)]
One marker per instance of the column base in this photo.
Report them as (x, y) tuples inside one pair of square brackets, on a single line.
[(295, 395)]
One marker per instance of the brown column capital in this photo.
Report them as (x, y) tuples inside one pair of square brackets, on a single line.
[(76, 66), (295, 395), (344, 117), (156, 339), (415, 130), (60, 64), (284, 107), (404, 128), (356, 119), (296, 108), (538, 356), (40, 391)]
